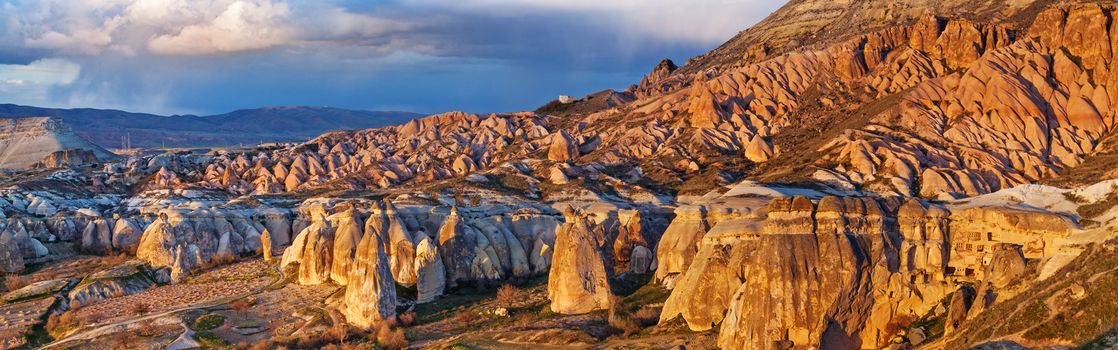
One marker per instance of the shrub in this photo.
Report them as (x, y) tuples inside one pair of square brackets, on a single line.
[(210, 340), (13, 282), (392, 339), (147, 329), (508, 295), (624, 323), (122, 340), (52, 322), (620, 319), (338, 333), (140, 308), (466, 317), (207, 322), (523, 320), (647, 316), (66, 319), (242, 306), (408, 318), (899, 323)]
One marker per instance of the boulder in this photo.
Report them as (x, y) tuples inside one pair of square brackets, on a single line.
[(11, 257), (579, 281), (958, 307), (129, 278), (563, 147), (640, 260), (758, 150), (266, 245), (312, 250), (457, 247), (97, 237), (126, 236), (680, 243), (370, 293), (429, 271), (279, 226), (400, 244), (346, 238)]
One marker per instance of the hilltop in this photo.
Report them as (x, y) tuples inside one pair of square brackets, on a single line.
[(242, 127)]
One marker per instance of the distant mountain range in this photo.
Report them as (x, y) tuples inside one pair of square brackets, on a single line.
[(106, 127)]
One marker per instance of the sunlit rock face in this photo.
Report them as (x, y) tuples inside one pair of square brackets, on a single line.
[(182, 239), (680, 243), (45, 142), (429, 271), (580, 270), (838, 270), (312, 250), (595, 248), (347, 236), (370, 293)]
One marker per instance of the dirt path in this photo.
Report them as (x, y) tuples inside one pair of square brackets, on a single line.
[(184, 341)]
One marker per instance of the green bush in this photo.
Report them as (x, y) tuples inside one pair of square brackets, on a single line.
[(210, 340), (207, 322)]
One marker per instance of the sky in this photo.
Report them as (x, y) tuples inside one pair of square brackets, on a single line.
[(426, 56)]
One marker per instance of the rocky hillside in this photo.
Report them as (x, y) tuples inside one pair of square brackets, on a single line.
[(845, 175), (243, 127), (45, 142)]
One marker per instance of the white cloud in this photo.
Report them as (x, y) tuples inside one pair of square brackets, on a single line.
[(171, 27), (48, 71), (32, 82), (242, 26), (83, 41)]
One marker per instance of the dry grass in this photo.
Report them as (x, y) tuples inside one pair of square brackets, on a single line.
[(524, 320), (52, 322), (647, 316), (309, 342), (66, 320), (338, 333), (242, 306), (14, 282), (216, 261), (468, 317), (508, 295), (147, 329), (1101, 207), (621, 319), (391, 338), (114, 260), (263, 344)]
